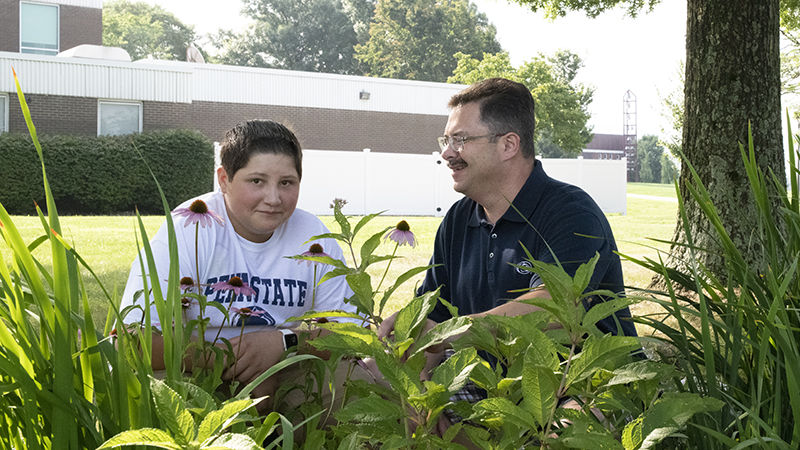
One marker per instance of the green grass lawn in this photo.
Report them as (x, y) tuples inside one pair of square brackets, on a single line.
[(656, 189), (108, 243)]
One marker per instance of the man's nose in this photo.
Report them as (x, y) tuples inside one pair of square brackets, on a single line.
[(449, 153)]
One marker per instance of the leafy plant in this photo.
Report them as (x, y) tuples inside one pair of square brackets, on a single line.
[(737, 333), (619, 400)]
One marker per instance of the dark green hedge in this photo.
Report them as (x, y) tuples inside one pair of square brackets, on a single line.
[(105, 175)]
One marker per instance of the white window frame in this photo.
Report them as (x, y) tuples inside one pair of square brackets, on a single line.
[(4, 123), (101, 101), (58, 26)]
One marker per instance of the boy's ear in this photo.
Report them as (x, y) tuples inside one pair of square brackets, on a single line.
[(222, 178)]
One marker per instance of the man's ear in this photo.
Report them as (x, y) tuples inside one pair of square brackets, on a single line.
[(510, 145), (222, 178)]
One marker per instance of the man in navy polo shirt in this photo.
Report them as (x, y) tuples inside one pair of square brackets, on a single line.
[(488, 145)]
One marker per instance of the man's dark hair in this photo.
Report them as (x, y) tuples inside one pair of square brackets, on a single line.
[(258, 136), (505, 106)]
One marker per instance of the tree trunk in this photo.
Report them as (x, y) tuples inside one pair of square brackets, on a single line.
[(732, 79)]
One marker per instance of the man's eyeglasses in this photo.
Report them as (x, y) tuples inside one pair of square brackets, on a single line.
[(457, 142)]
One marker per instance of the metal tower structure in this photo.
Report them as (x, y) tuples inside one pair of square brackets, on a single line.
[(629, 133)]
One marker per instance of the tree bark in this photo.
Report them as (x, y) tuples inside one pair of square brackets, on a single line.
[(732, 80)]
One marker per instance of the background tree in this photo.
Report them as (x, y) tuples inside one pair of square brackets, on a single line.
[(655, 164), (145, 30), (416, 39), (732, 80), (669, 172), (311, 35), (649, 153), (561, 103)]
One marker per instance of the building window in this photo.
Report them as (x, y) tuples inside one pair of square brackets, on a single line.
[(3, 113), (38, 28), (115, 118)]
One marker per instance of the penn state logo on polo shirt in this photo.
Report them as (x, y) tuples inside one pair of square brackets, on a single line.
[(256, 316), (521, 267)]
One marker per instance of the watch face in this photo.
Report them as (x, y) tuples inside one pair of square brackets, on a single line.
[(290, 340)]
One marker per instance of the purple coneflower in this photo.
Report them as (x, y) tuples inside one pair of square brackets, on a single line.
[(236, 285), (247, 312), (314, 250), (402, 234), (198, 212), (186, 283)]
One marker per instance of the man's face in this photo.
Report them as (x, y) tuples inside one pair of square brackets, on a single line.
[(475, 166), (261, 195)]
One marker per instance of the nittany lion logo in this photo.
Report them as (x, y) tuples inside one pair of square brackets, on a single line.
[(524, 267), (254, 315)]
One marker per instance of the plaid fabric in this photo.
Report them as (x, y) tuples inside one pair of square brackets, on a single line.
[(470, 393)]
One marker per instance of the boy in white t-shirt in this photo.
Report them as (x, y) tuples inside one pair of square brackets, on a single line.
[(247, 231)]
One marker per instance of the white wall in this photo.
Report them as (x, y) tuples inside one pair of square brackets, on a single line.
[(419, 185)]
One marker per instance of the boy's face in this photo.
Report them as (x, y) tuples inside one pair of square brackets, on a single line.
[(261, 195)]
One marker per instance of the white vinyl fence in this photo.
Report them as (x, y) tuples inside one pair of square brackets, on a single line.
[(420, 185)]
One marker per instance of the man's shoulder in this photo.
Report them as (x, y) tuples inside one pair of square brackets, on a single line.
[(567, 198)]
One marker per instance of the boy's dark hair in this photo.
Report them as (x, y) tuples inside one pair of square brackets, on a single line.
[(258, 136), (505, 106)]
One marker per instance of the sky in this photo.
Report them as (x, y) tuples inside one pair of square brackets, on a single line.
[(642, 55)]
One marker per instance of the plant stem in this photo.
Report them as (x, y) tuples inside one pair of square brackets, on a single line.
[(560, 391), (314, 289), (388, 264)]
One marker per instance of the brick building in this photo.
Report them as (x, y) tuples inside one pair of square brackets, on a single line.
[(87, 93), (605, 146)]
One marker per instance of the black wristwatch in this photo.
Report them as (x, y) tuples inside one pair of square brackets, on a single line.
[(289, 339)]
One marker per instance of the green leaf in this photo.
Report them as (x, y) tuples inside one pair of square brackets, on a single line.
[(441, 332), (667, 415), (632, 434), (151, 437), (369, 246), (577, 436), (171, 409), (320, 259), (606, 308), (220, 419), (671, 412), (435, 396), (337, 272), (496, 412), (583, 275), (539, 387), (640, 371), (541, 352), (326, 314), (398, 282), (414, 315), (364, 220), (344, 224), (597, 353), (351, 442), (454, 372), (232, 441), (198, 399), (371, 409), (400, 376), (361, 284)]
